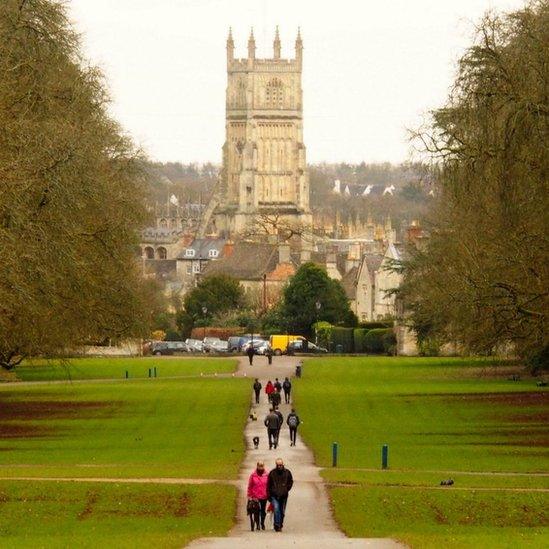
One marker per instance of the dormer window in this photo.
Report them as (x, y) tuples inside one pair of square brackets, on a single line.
[(213, 253), (189, 252)]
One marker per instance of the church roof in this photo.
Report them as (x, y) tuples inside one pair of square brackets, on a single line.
[(200, 248), (249, 261), (349, 282)]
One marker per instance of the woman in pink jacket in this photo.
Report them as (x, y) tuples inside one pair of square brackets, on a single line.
[(257, 492)]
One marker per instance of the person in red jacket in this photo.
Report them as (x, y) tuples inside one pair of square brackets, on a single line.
[(257, 492), (269, 389)]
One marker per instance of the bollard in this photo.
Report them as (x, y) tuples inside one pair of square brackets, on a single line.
[(127, 376), (384, 456), (155, 372), (334, 454), (149, 372)]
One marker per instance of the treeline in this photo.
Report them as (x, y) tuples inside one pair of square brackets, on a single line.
[(483, 279), (409, 200)]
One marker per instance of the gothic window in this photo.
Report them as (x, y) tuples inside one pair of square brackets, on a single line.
[(161, 253), (163, 223), (149, 253), (274, 93)]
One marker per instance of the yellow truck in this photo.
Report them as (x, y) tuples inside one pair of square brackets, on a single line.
[(279, 343)]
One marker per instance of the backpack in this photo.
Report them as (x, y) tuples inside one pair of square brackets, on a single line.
[(287, 385), (292, 421)]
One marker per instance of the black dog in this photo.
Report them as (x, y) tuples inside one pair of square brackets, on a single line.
[(252, 508), (256, 442), (447, 482)]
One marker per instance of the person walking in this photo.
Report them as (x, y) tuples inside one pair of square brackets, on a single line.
[(293, 422), (269, 390), (280, 422), (272, 422), (277, 385), (269, 355), (287, 387), (257, 492), (279, 484), (276, 398), (257, 390), (250, 351)]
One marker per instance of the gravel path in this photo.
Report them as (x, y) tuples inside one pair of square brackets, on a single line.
[(309, 521)]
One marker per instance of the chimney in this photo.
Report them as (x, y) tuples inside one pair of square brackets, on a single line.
[(284, 252), (228, 249)]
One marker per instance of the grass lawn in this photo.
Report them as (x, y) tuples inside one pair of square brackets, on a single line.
[(115, 368), (441, 419), (444, 518), (62, 514), (149, 428)]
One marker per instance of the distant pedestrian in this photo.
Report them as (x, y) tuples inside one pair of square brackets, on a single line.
[(287, 387), (269, 355), (257, 492), (276, 398), (279, 484), (257, 389), (269, 390), (250, 351), (280, 422), (277, 385), (271, 422), (293, 422)]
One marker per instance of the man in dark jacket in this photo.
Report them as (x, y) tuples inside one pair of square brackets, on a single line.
[(277, 385), (280, 422), (293, 423), (276, 398), (257, 390), (287, 386), (250, 351), (272, 422), (279, 484)]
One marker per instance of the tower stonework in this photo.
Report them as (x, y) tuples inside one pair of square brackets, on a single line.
[(264, 166)]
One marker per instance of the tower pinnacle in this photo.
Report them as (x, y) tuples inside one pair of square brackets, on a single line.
[(251, 45), (276, 44), (230, 46), (299, 47)]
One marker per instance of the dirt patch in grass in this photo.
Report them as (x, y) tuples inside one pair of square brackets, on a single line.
[(53, 409), (510, 398), (16, 430)]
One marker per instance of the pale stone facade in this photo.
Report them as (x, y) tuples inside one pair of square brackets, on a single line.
[(264, 165)]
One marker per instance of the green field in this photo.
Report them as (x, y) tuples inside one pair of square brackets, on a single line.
[(115, 368), (152, 428), (441, 418), (91, 514), (181, 428)]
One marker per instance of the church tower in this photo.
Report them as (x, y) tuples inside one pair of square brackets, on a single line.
[(264, 166)]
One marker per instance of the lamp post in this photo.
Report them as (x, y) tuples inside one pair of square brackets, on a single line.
[(204, 312), (318, 306)]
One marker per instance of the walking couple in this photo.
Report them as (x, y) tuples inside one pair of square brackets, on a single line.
[(273, 488)]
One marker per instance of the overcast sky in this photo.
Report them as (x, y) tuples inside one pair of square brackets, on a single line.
[(371, 68)]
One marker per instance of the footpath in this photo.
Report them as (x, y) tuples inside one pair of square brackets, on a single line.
[(308, 522)]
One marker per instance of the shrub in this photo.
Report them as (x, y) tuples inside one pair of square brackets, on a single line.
[(215, 331), (358, 336), (376, 341), (375, 325), (172, 335), (389, 342), (343, 337), (323, 333)]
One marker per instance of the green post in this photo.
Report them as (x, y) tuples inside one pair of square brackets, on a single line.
[(127, 376), (155, 371), (334, 454), (384, 456), (149, 372)]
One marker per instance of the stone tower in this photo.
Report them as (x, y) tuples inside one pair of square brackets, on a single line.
[(264, 167)]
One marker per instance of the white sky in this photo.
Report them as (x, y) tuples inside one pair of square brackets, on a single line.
[(371, 68)]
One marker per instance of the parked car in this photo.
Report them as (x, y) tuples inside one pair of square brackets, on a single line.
[(236, 342), (168, 348), (279, 343), (257, 343), (304, 346), (219, 346), (194, 345), (207, 343), (263, 348)]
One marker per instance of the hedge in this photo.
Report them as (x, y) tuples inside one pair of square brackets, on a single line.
[(380, 340), (213, 331), (358, 336), (343, 337)]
